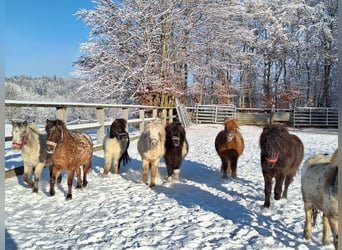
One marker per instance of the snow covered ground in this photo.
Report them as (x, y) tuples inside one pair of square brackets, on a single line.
[(200, 211)]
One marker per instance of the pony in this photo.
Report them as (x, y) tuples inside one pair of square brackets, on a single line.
[(151, 147), (115, 145), (176, 148), (229, 145), (70, 150), (319, 186), (281, 155), (32, 144)]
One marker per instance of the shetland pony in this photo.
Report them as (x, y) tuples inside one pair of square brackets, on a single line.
[(176, 148), (151, 147), (70, 149), (229, 145), (319, 185), (32, 144), (281, 155), (115, 145)]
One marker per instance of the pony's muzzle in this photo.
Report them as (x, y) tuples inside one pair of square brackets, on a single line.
[(51, 146), (16, 146), (175, 140)]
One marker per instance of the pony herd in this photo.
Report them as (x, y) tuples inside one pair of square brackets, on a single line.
[(281, 154)]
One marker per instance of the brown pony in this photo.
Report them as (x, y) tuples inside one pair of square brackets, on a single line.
[(281, 155), (70, 149), (229, 145)]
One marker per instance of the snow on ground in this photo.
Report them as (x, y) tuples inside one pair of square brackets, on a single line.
[(200, 211)]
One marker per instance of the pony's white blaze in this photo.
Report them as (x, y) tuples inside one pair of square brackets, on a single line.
[(51, 149)]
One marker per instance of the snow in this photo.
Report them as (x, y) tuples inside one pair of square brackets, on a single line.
[(200, 211)]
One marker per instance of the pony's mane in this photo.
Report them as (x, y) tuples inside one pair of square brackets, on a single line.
[(34, 127), (231, 124)]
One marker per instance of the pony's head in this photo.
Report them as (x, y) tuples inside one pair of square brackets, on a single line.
[(175, 134), (54, 130), (20, 134), (118, 128), (272, 141), (155, 133), (231, 127)]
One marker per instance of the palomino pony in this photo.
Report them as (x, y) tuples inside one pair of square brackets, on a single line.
[(115, 145), (319, 184), (28, 139), (177, 148), (70, 149), (229, 145), (151, 147), (281, 155)]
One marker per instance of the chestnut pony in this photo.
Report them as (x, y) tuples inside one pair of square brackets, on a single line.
[(281, 155), (70, 150), (229, 145)]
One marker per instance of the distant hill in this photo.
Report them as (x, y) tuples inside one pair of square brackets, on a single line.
[(44, 88)]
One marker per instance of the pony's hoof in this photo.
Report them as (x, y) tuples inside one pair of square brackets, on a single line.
[(79, 186), (52, 193), (152, 185), (68, 197), (35, 190), (85, 184)]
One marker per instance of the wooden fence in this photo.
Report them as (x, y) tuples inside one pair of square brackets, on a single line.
[(135, 115)]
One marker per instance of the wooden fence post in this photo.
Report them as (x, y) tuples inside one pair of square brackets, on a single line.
[(125, 116), (61, 114), (142, 118), (100, 119), (170, 115)]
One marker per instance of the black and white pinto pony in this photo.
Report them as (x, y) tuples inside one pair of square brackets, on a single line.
[(151, 147), (176, 148), (27, 138), (115, 145), (319, 185)]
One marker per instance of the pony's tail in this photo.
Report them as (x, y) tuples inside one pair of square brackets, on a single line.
[(124, 159)]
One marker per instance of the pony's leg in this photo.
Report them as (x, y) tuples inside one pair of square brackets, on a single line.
[(78, 174), (278, 188), (55, 171), (308, 208), (108, 161), (326, 230), (268, 189), (59, 178), (154, 172), (233, 166), (333, 220), (27, 175), (37, 174), (85, 174), (71, 174), (169, 172), (225, 167), (116, 166), (145, 165), (288, 181), (177, 171)]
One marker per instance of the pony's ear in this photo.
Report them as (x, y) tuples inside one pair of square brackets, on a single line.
[(47, 121), (25, 123)]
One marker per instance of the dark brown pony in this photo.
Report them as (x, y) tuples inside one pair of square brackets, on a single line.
[(70, 149), (176, 148), (281, 155), (229, 145)]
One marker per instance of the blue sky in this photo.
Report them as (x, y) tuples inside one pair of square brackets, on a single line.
[(42, 37)]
